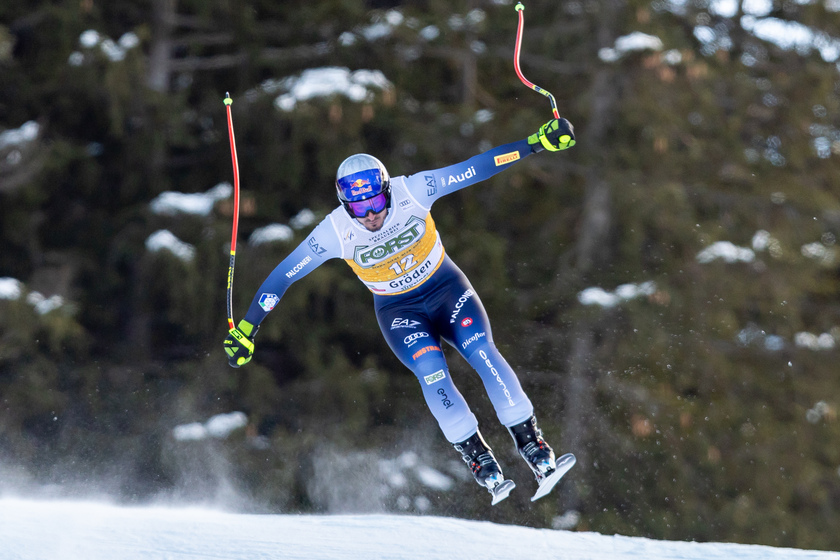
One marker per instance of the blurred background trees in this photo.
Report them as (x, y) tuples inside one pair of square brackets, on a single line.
[(667, 290)]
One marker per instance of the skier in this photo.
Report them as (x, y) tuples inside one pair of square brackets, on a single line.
[(385, 232)]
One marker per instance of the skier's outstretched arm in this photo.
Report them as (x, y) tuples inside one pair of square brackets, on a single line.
[(428, 186), (321, 245)]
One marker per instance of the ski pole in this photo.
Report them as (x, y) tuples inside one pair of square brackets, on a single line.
[(521, 9), (235, 161)]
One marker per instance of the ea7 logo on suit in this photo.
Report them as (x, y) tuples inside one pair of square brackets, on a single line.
[(431, 185), (316, 248), (400, 323)]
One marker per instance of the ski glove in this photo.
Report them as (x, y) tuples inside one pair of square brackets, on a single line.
[(555, 135), (239, 344)]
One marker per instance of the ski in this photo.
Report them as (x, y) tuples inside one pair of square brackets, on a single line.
[(501, 491), (564, 463)]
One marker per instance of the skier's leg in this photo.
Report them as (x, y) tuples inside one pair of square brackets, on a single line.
[(466, 326), (501, 383), (412, 336), (417, 345), (513, 407), (413, 340)]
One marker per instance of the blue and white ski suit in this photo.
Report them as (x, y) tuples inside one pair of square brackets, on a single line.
[(421, 297)]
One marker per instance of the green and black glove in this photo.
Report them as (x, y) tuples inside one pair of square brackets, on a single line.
[(239, 344), (555, 135)]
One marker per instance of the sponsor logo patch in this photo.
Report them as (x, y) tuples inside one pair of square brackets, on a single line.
[(506, 158), (461, 301), (435, 377), (268, 301), (368, 256), (412, 339), (497, 376), (425, 350), (472, 339), (466, 322), (444, 399), (459, 177), (400, 323), (431, 185), (360, 186), (316, 248), (299, 266), (363, 190)]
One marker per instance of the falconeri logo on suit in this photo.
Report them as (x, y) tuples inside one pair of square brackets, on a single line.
[(299, 266), (368, 256), (460, 303)]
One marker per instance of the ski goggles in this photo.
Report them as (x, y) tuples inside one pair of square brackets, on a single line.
[(375, 204)]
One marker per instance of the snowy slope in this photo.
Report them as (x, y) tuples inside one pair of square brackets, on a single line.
[(51, 530)]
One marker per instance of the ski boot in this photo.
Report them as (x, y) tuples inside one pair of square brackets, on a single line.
[(485, 469), (533, 448), (540, 457)]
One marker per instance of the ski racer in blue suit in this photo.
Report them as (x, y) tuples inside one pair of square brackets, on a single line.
[(384, 230)]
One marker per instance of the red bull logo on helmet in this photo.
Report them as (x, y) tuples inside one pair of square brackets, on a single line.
[(360, 186)]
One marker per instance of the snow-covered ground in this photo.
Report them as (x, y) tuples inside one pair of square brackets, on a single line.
[(65, 530)]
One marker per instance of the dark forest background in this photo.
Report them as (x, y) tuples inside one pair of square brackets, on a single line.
[(705, 410)]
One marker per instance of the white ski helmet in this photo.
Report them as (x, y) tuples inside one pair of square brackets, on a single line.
[(361, 176)]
